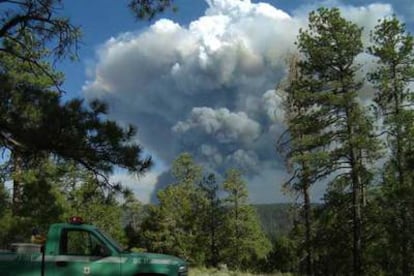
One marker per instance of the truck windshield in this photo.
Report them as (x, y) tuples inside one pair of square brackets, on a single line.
[(110, 240)]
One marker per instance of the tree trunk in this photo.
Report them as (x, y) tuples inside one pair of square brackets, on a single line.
[(308, 234), (356, 217), (401, 179), (356, 197)]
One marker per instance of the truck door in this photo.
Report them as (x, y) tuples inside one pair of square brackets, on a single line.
[(81, 252)]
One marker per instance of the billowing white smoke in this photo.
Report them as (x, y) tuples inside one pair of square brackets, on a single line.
[(222, 125), (208, 88)]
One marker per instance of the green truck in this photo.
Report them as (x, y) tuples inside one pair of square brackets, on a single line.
[(76, 248)]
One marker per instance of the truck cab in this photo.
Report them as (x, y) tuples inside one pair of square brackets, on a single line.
[(76, 248)]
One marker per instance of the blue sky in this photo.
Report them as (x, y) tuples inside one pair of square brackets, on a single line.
[(202, 81), (108, 19)]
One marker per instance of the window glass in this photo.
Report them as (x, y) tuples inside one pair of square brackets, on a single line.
[(113, 242), (80, 242)]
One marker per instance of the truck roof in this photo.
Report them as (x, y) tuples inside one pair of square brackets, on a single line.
[(73, 225)]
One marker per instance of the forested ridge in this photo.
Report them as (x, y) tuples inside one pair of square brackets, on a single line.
[(276, 219), (58, 155)]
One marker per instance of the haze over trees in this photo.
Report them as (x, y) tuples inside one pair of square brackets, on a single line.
[(58, 155)]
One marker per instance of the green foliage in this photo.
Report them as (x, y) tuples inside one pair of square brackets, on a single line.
[(276, 219), (39, 205), (283, 257), (193, 222), (185, 171), (58, 156), (39, 188), (213, 219), (54, 192), (201, 271), (147, 9), (244, 239), (50, 34), (34, 120), (175, 225), (133, 215), (332, 241), (35, 124), (95, 205), (4, 196), (303, 147), (360, 227), (331, 134), (393, 48)]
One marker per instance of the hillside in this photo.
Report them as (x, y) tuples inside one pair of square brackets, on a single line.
[(276, 219)]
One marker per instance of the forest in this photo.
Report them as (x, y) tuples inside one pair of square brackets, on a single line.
[(58, 155)]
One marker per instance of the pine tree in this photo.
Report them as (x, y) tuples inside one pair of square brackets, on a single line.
[(35, 125), (84, 196), (328, 71), (303, 147), (245, 240), (212, 220), (175, 225), (393, 48), (133, 215)]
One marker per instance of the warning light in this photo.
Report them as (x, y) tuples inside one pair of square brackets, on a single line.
[(75, 220)]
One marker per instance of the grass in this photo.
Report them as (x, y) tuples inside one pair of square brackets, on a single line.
[(216, 272)]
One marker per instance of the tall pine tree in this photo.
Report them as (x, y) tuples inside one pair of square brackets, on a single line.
[(393, 48), (303, 147), (327, 68), (245, 240)]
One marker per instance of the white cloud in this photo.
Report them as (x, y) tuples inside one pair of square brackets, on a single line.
[(208, 88)]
